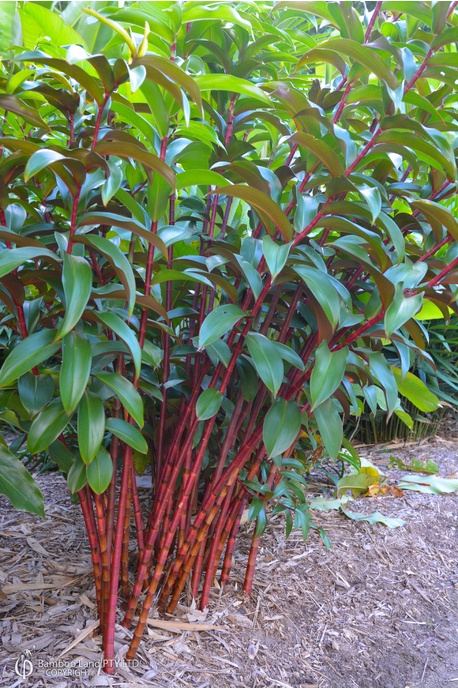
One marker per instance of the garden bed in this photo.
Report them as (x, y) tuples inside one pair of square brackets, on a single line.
[(378, 610)]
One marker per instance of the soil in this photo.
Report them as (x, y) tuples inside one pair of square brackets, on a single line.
[(378, 610)]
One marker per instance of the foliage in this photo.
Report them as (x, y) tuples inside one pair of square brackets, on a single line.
[(214, 219)]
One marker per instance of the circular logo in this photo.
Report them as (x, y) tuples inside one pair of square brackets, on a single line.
[(23, 667)]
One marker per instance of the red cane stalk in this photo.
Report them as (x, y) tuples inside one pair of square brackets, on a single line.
[(125, 590), (215, 551), (222, 487), (105, 562), (89, 520), (116, 562), (209, 502), (137, 515)]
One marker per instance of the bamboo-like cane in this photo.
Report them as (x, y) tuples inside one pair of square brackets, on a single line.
[(125, 542)]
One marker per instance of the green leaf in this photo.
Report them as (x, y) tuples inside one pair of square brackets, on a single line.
[(76, 477), (219, 322), (91, 425), (147, 159), (75, 369), (401, 310), (38, 21), (126, 392), (119, 262), (266, 360), (122, 330), (49, 424), (428, 485), (358, 482), (77, 284), (61, 455), (434, 213), (39, 160), (28, 354), (7, 12), (267, 209), (276, 255), (330, 427), (288, 355), (327, 374), (112, 219), (158, 195), (10, 259), (220, 351), (17, 484), (413, 388), (190, 178), (35, 391), (248, 379), (127, 433), (208, 403), (365, 56), (112, 183), (321, 150), (100, 471), (227, 82), (323, 290), (374, 518), (281, 427), (380, 368), (261, 523), (373, 200)]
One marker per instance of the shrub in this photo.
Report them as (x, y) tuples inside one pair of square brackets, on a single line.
[(213, 220)]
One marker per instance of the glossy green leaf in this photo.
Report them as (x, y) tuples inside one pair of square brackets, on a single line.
[(401, 309), (281, 427), (100, 471), (203, 177), (125, 392), (7, 12), (75, 369), (323, 290), (91, 425), (219, 322), (35, 391), (383, 373), (327, 373), (127, 433), (266, 360), (321, 150), (77, 477), (365, 56), (264, 205), (17, 484), (117, 325), (28, 354), (329, 426), (227, 82), (10, 259), (413, 388), (118, 260), (61, 455), (77, 284), (208, 403), (45, 428), (276, 256)]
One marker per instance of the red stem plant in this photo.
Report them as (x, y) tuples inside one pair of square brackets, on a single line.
[(211, 230)]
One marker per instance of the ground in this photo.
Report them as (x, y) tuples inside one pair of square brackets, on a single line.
[(378, 610)]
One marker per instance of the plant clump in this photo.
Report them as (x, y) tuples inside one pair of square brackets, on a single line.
[(214, 219)]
